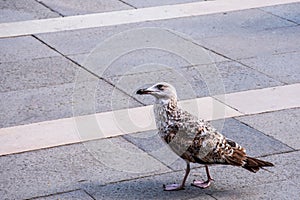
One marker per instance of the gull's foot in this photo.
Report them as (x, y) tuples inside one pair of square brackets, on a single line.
[(173, 187), (202, 184)]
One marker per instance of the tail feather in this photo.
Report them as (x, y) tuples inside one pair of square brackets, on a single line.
[(254, 164)]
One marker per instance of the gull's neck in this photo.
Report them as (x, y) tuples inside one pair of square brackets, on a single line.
[(170, 102)]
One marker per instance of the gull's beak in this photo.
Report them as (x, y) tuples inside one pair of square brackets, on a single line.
[(145, 91)]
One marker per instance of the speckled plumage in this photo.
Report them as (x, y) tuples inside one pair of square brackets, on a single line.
[(193, 139)]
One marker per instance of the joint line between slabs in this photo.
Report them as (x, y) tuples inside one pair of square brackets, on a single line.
[(128, 4), (89, 71), (269, 136), (48, 7)]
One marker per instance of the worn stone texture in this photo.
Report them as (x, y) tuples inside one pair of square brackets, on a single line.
[(281, 125), (58, 101), (280, 67), (36, 73), (21, 10), (286, 11), (23, 48), (60, 169), (76, 195), (81, 7), (254, 44)]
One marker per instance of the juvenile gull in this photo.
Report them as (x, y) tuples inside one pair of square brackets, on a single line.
[(193, 139)]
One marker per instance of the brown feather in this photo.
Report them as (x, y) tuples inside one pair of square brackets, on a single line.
[(254, 164), (237, 158)]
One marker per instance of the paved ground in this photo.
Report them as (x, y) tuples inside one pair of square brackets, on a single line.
[(40, 74)]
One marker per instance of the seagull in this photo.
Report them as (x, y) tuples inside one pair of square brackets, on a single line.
[(193, 139)]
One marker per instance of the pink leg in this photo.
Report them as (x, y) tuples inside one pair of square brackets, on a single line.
[(203, 184), (175, 187)]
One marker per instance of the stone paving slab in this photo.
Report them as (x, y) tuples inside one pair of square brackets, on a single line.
[(255, 142), (282, 125), (33, 105), (187, 88), (36, 73), (236, 77), (81, 7), (74, 195), (281, 67), (22, 48), (151, 143), (287, 11), (235, 184), (144, 60), (192, 82), (83, 41), (66, 168), (223, 24), (230, 181), (21, 10), (286, 165), (282, 190), (55, 102), (146, 188), (250, 45)]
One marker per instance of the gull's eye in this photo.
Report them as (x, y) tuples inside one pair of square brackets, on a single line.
[(160, 87)]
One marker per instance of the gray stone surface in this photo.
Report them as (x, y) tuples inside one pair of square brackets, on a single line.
[(21, 10), (248, 45), (285, 186), (287, 11), (34, 105), (275, 190), (150, 3), (233, 24), (74, 195), (282, 125), (78, 45), (36, 73), (287, 165), (139, 60), (37, 84), (255, 142), (75, 167), (23, 48), (84, 40), (80, 7), (61, 169), (230, 183), (187, 87), (147, 188), (224, 24), (151, 143), (281, 67), (54, 102), (236, 77)]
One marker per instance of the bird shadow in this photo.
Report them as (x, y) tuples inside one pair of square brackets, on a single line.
[(148, 189)]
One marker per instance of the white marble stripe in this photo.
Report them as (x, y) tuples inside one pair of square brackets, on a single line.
[(264, 100), (131, 16), (102, 125)]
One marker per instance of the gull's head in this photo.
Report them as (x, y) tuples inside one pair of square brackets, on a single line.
[(161, 91)]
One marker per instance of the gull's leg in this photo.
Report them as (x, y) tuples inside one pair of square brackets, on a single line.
[(174, 187), (204, 184)]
